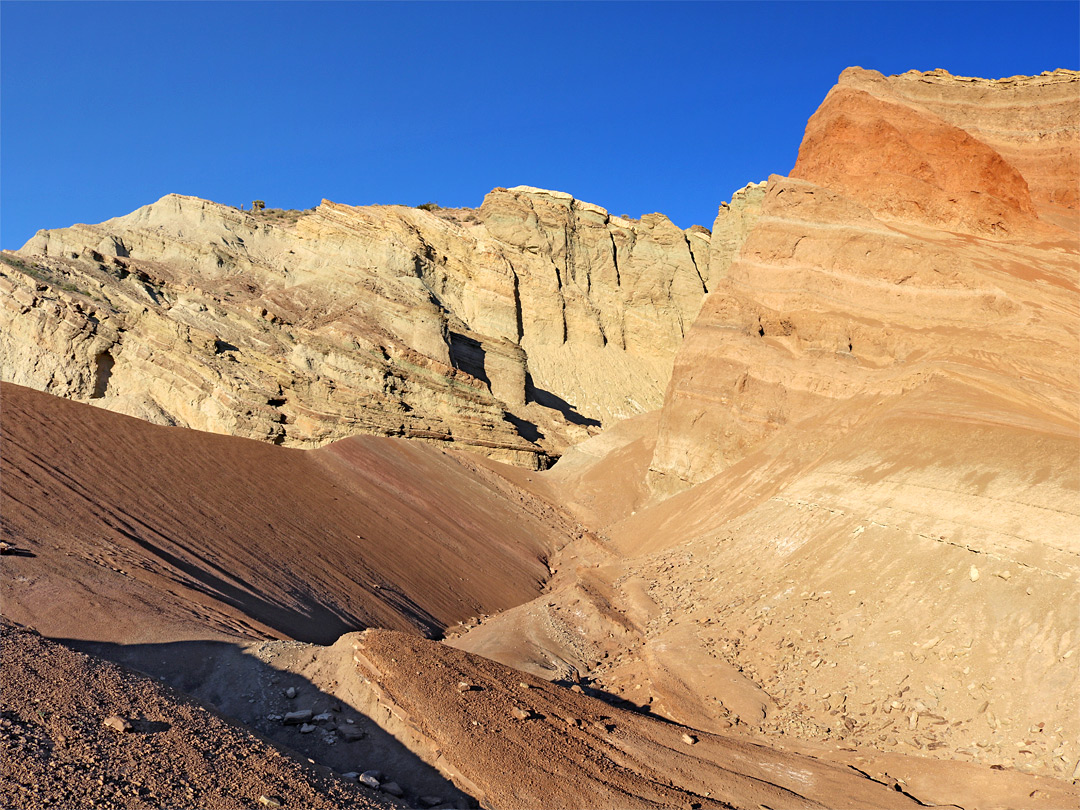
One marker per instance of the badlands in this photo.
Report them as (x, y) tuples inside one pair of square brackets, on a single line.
[(534, 506)]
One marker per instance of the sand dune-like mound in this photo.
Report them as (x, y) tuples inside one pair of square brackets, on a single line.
[(131, 532)]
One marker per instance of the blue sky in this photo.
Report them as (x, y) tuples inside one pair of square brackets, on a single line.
[(637, 107)]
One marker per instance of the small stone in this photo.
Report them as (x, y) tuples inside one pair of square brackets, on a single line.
[(429, 801), (393, 788), (270, 801), (351, 733), (973, 574), (520, 713), (118, 723), (465, 686), (307, 728), (524, 685), (322, 717), (290, 693), (689, 739), (371, 778), (352, 776), (296, 718)]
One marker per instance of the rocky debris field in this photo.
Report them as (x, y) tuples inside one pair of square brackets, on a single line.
[(76, 731)]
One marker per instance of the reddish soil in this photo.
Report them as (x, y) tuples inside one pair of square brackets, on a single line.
[(131, 532)]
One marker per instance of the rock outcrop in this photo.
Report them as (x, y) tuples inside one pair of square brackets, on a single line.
[(901, 248), (515, 329)]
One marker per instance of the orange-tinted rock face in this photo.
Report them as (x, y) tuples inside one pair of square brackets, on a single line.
[(1033, 122), (905, 164)]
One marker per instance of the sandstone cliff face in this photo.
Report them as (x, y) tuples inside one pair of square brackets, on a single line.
[(1030, 121), (515, 329), (903, 249)]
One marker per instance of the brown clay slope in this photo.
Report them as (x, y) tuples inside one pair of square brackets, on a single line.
[(574, 751), (139, 533), (56, 752)]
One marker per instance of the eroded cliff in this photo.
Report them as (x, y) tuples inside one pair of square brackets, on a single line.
[(516, 329)]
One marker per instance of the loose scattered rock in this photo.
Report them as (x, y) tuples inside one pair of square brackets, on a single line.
[(351, 733), (307, 728), (290, 693), (520, 713), (393, 788), (430, 801), (270, 801), (118, 723), (371, 778), (296, 718), (689, 739)]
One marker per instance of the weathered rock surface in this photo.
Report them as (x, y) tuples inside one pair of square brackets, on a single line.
[(855, 279), (872, 429), (1031, 121), (515, 329)]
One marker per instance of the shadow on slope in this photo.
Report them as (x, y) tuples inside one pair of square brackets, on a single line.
[(139, 533), (249, 683)]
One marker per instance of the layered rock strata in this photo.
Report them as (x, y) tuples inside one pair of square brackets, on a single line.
[(872, 432), (514, 329), (902, 247)]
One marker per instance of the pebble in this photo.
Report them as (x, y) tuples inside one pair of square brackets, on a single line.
[(322, 717), (307, 728), (270, 801), (290, 693), (118, 723), (296, 718), (973, 574), (393, 788), (465, 686), (520, 713), (689, 739), (371, 778), (351, 733)]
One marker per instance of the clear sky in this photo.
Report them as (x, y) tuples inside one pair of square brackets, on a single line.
[(637, 107)]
